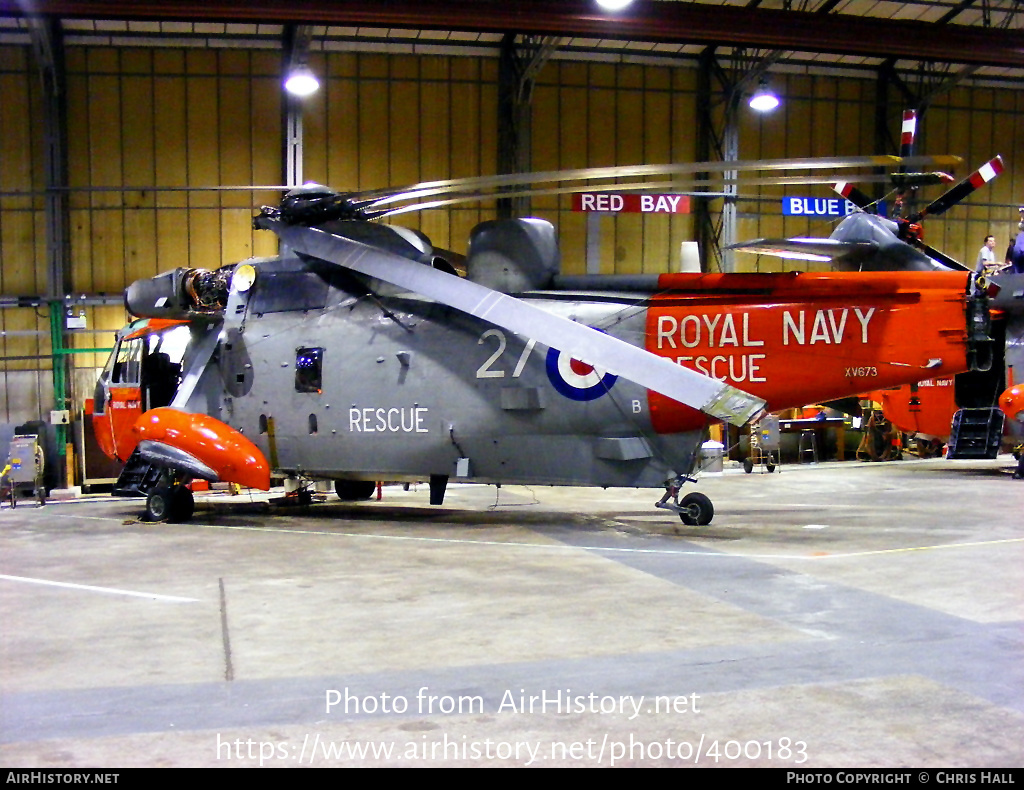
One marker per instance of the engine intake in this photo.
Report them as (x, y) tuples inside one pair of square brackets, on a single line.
[(180, 294)]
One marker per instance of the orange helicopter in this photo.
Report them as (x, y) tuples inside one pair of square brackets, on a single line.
[(967, 411)]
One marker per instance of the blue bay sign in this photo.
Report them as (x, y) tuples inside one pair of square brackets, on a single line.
[(817, 207)]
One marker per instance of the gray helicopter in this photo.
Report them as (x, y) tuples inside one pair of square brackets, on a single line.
[(361, 353)]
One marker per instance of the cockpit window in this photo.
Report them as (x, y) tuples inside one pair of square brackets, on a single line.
[(127, 364), (309, 369), (172, 342)]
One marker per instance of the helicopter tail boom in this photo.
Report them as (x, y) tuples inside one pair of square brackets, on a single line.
[(694, 389)]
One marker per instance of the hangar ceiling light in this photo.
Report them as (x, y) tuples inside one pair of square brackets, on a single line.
[(301, 81), (764, 98)]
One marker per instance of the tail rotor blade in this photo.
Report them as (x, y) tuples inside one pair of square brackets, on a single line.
[(946, 201), (942, 258), (907, 133), (854, 195)]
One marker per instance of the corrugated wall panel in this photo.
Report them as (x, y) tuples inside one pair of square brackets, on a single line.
[(405, 145), (265, 145), (22, 243), (629, 148), (167, 119), (659, 254), (434, 143), (171, 166), (391, 121), (682, 98), (139, 119), (332, 138), (635, 114), (24, 338), (373, 122)]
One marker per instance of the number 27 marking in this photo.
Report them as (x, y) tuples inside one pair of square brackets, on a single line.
[(488, 371)]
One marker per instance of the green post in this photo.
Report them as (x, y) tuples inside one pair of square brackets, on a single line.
[(59, 357)]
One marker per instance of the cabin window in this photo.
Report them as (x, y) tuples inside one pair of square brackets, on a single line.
[(280, 292), (263, 423), (309, 369), (312, 424)]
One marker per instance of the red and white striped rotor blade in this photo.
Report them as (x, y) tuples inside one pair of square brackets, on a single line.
[(978, 178), (854, 195), (907, 133)]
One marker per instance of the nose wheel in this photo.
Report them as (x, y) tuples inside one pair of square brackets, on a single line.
[(696, 510), (170, 503)]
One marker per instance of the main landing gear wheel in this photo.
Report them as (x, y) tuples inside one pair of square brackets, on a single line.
[(172, 504), (697, 510), (183, 504), (354, 490)]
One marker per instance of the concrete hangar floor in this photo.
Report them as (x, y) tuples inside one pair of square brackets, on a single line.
[(830, 616)]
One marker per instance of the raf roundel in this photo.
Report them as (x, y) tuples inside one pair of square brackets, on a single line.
[(576, 379)]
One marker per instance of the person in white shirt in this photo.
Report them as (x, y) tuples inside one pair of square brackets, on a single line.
[(986, 262)]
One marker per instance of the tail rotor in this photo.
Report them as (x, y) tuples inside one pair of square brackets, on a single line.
[(905, 183)]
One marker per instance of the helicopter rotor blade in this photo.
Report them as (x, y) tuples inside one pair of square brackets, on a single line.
[(382, 197), (947, 200), (805, 249), (636, 364), (690, 189), (694, 188)]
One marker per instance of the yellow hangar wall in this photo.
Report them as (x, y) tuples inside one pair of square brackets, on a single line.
[(152, 132), (385, 121), (25, 379), (601, 115)]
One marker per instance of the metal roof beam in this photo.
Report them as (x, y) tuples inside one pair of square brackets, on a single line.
[(950, 15), (645, 21)]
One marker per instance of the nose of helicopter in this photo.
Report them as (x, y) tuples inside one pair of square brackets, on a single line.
[(215, 445)]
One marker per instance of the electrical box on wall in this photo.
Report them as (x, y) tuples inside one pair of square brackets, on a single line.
[(60, 417)]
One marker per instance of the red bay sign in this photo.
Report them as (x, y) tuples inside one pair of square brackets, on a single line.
[(630, 203)]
